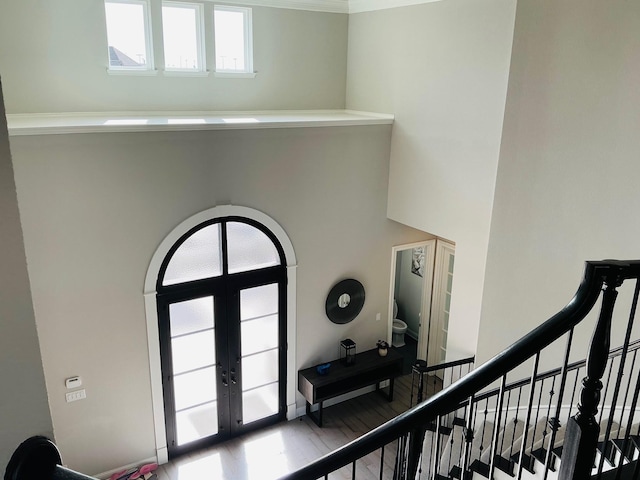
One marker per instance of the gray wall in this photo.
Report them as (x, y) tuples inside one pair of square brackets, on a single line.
[(567, 186), (96, 206), (53, 58), (442, 69), (24, 409)]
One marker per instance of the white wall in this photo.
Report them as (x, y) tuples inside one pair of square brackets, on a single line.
[(53, 58), (96, 206), (567, 186), (23, 403), (442, 69)]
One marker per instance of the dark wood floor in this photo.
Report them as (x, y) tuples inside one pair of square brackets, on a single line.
[(274, 451)]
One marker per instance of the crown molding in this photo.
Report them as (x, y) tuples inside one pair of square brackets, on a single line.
[(328, 6), (359, 6)]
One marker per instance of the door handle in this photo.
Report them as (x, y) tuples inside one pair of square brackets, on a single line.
[(224, 379), (233, 376)]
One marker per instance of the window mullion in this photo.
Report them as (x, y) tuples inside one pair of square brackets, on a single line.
[(224, 245)]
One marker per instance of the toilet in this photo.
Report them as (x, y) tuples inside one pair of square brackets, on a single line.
[(398, 329)]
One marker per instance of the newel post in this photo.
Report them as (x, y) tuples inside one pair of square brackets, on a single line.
[(581, 437)]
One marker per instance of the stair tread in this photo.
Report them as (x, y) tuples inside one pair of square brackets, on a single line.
[(504, 464), (480, 467), (541, 455), (459, 421), (626, 447), (626, 474), (607, 450), (431, 427)]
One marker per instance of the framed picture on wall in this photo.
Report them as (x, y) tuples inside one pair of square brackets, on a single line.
[(417, 261)]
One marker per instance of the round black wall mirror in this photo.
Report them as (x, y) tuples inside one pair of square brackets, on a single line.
[(345, 301)]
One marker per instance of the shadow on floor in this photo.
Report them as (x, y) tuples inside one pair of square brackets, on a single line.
[(409, 353)]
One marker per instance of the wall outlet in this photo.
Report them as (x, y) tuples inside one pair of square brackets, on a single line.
[(377, 317), (77, 395)]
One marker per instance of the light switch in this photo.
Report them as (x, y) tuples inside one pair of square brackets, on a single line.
[(73, 382)]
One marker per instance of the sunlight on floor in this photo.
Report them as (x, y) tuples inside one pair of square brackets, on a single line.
[(261, 458), (265, 457), (206, 467)]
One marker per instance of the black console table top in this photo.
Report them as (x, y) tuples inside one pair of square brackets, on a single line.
[(369, 368)]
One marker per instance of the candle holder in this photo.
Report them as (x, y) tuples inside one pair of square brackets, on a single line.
[(348, 352)]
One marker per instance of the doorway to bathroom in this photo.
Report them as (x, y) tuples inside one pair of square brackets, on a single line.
[(420, 298)]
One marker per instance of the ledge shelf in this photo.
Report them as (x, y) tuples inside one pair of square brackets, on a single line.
[(67, 123)]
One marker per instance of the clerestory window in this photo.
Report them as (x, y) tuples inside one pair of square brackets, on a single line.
[(182, 33), (233, 39), (180, 37), (129, 35)]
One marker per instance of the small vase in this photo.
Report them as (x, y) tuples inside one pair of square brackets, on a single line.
[(382, 351)]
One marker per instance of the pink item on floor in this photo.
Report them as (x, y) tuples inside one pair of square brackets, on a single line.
[(148, 468), (123, 475)]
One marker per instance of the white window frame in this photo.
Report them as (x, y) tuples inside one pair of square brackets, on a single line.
[(247, 72), (200, 35), (149, 66)]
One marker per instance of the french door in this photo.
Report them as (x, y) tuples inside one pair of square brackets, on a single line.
[(223, 336), (441, 301)]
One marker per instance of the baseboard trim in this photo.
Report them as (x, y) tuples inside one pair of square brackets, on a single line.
[(106, 475)]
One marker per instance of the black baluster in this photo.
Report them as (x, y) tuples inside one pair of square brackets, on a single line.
[(555, 425), (432, 451), (535, 425), (381, 462), (452, 435), (353, 471), (606, 386), (496, 430), (435, 460), (484, 424), (505, 421), (532, 391), (549, 420), (575, 389), (398, 468), (515, 426), (468, 439), (582, 430)]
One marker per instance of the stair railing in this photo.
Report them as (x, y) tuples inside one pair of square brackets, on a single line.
[(514, 408), (406, 433)]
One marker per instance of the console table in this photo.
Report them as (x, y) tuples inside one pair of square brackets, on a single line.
[(369, 368)]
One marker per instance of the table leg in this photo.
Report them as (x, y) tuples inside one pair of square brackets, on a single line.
[(315, 416), (388, 395)]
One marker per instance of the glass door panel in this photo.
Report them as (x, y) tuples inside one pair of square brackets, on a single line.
[(259, 403), (193, 351), (259, 341), (193, 360), (196, 423), (259, 369), (258, 335), (191, 316)]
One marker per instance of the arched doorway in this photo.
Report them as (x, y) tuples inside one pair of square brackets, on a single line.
[(223, 314)]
